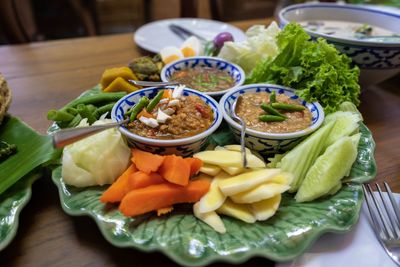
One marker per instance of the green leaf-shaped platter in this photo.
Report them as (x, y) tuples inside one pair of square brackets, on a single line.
[(190, 242)]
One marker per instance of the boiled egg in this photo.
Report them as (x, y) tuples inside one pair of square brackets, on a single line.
[(191, 47), (170, 54)]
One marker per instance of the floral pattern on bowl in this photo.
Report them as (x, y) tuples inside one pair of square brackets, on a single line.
[(233, 70), (184, 146), (268, 143)]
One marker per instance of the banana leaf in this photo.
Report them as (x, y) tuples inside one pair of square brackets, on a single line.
[(33, 150)]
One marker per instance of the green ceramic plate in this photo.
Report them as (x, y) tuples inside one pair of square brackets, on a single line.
[(11, 203), (190, 242)]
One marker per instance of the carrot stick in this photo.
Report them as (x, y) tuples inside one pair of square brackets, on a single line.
[(145, 161), (159, 196), (195, 165), (119, 188), (175, 170)]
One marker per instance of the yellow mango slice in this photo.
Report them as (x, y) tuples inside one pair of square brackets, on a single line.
[(119, 85), (109, 75), (237, 148), (285, 178), (246, 181), (238, 211), (228, 158), (210, 169), (261, 192), (211, 218), (232, 170), (266, 208), (214, 198)]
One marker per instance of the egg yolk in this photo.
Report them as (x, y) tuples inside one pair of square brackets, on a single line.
[(170, 59), (188, 52)]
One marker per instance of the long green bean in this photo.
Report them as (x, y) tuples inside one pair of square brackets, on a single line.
[(93, 99), (288, 107), (270, 118), (84, 111), (153, 103), (103, 109), (271, 110), (75, 121), (59, 115), (71, 111), (143, 102)]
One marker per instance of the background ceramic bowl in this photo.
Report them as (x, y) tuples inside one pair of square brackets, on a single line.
[(233, 70), (268, 143), (184, 146), (377, 60)]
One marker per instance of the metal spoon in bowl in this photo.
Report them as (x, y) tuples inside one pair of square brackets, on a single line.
[(68, 136), (151, 84), (242, 130)]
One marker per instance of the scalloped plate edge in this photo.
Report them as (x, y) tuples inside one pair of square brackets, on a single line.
[(239, 258)]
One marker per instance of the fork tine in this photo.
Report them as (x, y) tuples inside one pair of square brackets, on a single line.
[(394, 204), (383, 222), (372, 212), (394, 229)]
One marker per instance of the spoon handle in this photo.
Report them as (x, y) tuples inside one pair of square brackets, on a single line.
[(68, 136), (145, 83), (242, 143)]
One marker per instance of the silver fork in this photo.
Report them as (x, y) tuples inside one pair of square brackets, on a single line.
[(385, 216)]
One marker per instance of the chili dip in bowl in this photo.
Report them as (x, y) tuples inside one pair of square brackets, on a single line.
[(210, 75), (276, 118), (169, 120)]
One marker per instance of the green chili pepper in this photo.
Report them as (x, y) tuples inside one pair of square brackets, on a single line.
[(272, 97), (288, 107), (153, 103), (271, 110), (143, 102), (59, 115), (269, 118), (84, 111)]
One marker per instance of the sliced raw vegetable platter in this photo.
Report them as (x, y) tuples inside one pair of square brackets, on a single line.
[(256, 219)]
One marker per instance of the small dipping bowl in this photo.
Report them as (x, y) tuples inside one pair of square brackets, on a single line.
[(233, 70), (263, 142), (183, 146)]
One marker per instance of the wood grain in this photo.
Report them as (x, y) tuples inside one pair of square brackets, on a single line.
[(50, 74)]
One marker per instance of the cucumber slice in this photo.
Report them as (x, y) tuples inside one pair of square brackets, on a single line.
[(346, 124), (328, 169), (299, 159)]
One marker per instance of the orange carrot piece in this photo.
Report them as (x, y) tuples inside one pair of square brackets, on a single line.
[(144, 113), (119, 188), (175, 170), (141, 179), (163, 211), (195, 165), (159, 196), (145, 161)]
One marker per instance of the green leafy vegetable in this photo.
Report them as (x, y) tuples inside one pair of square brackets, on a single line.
[(315, 69), (33, 151)]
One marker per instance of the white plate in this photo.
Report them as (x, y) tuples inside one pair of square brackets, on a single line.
[(360, 247), (156, 35)]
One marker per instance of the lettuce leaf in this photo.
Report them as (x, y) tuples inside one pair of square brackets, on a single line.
[(315, 69)]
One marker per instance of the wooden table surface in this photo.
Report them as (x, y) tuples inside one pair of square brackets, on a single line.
[(47, 75)]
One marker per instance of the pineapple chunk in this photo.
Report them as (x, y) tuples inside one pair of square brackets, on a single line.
[(210, 169), (261, 192), (211, 218), (238, 211), (266, 208), (246, 181), (214, 198), (228, 158)]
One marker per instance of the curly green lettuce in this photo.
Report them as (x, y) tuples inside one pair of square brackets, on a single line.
[(317, 70)]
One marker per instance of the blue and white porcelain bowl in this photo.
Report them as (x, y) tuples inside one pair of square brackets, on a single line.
[(183, 146), (263, 142), (377, 60), (233, 70)]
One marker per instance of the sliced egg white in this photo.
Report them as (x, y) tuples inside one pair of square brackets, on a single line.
[(192, 47)]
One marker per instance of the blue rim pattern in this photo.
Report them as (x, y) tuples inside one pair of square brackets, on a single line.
[(232, 69)]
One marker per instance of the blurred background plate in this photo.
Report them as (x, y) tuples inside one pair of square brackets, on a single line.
[(156, 35)]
